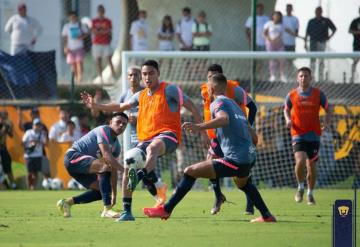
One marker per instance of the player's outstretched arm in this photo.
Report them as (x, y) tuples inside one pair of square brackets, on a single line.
[(221, 119), (90, 103)]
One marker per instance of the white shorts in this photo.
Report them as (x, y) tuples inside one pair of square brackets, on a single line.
[(101, 51)]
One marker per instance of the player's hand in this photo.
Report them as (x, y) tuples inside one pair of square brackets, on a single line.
[(191, 127), (288, 124), (87, 99)]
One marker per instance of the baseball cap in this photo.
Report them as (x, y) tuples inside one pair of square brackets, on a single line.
[(36, 121)]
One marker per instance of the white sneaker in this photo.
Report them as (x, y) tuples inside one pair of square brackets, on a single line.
[(283, 78), (64, 208), (110, 214), (272, 78)]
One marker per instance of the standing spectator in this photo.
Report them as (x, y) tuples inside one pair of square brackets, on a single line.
[(166, 34), (70, 134), (34, 141), (59, 127), (24, 31), (6, 129), (355, 31), (202, 32), (318, 31), (261, 19), (139, 33), (184, 30), (74, 34), (302, 107), (102, 35), (291, 27), (273, 33)]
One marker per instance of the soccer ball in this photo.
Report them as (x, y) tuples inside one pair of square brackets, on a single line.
[(46, 184), (74, 185), (134, 158), (56, 184)]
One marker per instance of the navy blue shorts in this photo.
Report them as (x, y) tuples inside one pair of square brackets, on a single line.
[(78, 166), (225, 167), (310, 148), (215, 149), (169, 138), (33, 164)]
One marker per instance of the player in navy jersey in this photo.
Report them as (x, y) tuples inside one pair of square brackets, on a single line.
[(237, 146), (92, 161)]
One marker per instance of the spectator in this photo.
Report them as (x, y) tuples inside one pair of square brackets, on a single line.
[(102, 35), (318, 31), (23, 29), (202, 32), (184, 30), (100, 117), (291, 27), (166, 34), (34, 141), (74, 34), (261, 19), (59, 127), (6, 129), (355, 31), (70, 134), (84, 123), (273, 33), (139, 33)]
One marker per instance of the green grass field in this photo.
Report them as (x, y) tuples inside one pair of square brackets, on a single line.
[(31, 219)]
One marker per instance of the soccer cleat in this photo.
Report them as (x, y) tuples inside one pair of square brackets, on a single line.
[(217, 205), (161, 195), (126, 216), (261, 219), (133, 179), (158, 212), (64, 208), (299, 195), (310, 200), (109, 213)]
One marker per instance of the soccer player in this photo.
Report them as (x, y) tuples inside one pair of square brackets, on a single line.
[(302, 106), (92, 161), (235, 137), (238, 94), (158, 123)]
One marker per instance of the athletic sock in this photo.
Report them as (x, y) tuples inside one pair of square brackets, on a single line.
[(182, 189), (105, 187), (87, 196), (252, 192), (141, 174), (310, 192), (150, 186), (301, 186), (127, 204), (216, 187), (151, 176), (249, 203)]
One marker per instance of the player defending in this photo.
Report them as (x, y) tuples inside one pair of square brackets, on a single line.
[(302, 106), (237, 146), (158, 123), (92, 162), (238, 94)]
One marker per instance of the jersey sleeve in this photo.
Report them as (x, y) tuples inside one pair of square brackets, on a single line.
[(26, 136), (103, 135), (217, 106), (175, 94), (323, 100), (288, 104), (134, 100), (241, 97)]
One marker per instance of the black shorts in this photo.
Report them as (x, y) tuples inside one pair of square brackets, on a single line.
[(310, 148), (225, 167), (215, 149), (5, 160), (33, 164), (169, 138)]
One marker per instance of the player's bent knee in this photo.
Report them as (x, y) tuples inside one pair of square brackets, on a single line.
[(240, 182)]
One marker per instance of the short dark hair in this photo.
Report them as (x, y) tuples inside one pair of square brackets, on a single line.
[(186, 9), (121, 114), (100, 7), (72, 12), (151, 63), (220, 79), (304, 69), (215, 67), (70, 122)]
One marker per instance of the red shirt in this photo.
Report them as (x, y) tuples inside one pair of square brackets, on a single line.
[(103, 25)]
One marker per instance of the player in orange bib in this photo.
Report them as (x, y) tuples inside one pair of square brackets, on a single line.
[(302, 106), (243, 100)]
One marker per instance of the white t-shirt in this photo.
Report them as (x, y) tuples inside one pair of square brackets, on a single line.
[(184, 28), (73, 31), (292, 23), (166, 45), (139, 32), (274, 30), (260, 22), (57, 130), (22, 29), (32, 136)]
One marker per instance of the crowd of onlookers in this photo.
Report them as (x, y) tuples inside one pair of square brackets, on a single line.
[(275, 33)]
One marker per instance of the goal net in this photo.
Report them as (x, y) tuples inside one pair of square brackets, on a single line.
[(339, 163)]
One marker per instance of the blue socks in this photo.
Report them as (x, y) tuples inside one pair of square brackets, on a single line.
[(254, 195), (182, 189), (216, 187), (150, 186), (87, 196), (105, 187), (127, 204), (249, 203)]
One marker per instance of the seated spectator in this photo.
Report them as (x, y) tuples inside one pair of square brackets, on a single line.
[(59, 127), (166, 34), (34, 140), (70, 135), (202, 32)]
